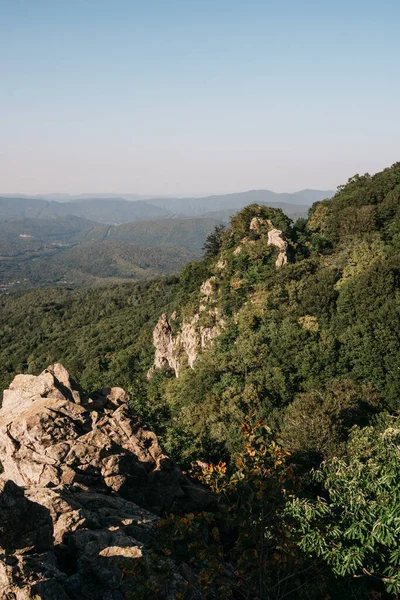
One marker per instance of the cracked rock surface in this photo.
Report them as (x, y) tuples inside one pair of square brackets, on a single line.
[(82, 486)]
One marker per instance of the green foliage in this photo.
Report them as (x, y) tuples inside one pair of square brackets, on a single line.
[(103, 337), (253, 493), (240, 549), (312, 348), (360, 206), (318, 421), (354, 526), (213, 243), (90, 264)]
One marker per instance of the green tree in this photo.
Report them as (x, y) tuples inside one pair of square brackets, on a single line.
[(354, 525)]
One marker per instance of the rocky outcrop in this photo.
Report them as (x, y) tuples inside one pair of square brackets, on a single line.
[(275, 238), (186, 345), (83, 482), (164, 344), (176, 349), (192, 338)]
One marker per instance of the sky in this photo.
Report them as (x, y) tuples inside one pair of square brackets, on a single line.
[(196, 96)]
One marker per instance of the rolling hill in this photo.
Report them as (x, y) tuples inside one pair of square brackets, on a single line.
[(90, 264)]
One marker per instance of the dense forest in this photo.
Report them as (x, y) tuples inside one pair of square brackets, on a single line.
[(294, 406), (71, 251)]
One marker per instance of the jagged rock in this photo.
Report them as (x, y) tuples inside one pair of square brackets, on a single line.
[(191, 339), (163, 342), (207, 288), (80, 475), (96, 536), (47, 438), (184, 347), (275, 238)]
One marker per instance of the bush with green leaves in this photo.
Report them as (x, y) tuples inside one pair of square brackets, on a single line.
[(354, 524)]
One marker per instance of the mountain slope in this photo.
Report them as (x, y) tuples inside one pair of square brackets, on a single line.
[(119, 210), (94, 263), (60, 229), (312, 347), (179, 233), (276, 357), (276, 343), (293, 211)]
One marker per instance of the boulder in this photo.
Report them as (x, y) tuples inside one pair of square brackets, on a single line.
[(83, 483), (53, 433)]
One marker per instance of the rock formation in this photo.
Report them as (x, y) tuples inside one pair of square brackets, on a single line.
[(176, 349), (275, 238), (83, 480), (192, 338)]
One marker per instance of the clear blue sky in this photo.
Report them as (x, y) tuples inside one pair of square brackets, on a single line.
[(196, 96)]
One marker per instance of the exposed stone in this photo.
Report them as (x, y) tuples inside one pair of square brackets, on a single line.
[(191, 339), (275, 238), (24, 526), (255, 224), (207, 288), (47, 439), (80, 475), (184, 347), (163, 342)]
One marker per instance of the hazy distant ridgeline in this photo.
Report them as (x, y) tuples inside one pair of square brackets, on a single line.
[(119, 210), (112, 210), (93, 241), (237, 201)]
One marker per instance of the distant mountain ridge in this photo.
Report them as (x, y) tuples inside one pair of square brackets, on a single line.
[(304, 196), (82, 242), (110, 210), (200, 206), (118, 210)]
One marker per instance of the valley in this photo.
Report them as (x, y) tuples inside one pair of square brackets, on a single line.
[(266, 370), (98, 241)]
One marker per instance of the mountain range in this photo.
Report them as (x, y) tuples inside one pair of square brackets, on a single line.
[(96, 240), (119, 209), (268, 369)]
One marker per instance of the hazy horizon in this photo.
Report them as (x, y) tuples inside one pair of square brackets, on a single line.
[(111, 195), (173, 98)]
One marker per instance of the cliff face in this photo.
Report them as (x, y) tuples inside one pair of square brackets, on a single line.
[(177, 349), (83, 482), (192, 337)]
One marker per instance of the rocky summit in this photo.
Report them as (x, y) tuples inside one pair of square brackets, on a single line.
[(83, 485)]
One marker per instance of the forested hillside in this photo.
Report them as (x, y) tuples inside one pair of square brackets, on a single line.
[(90, 264), (286, 343), (77, 252)]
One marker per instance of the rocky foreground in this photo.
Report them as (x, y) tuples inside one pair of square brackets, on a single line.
[(82, 486)]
